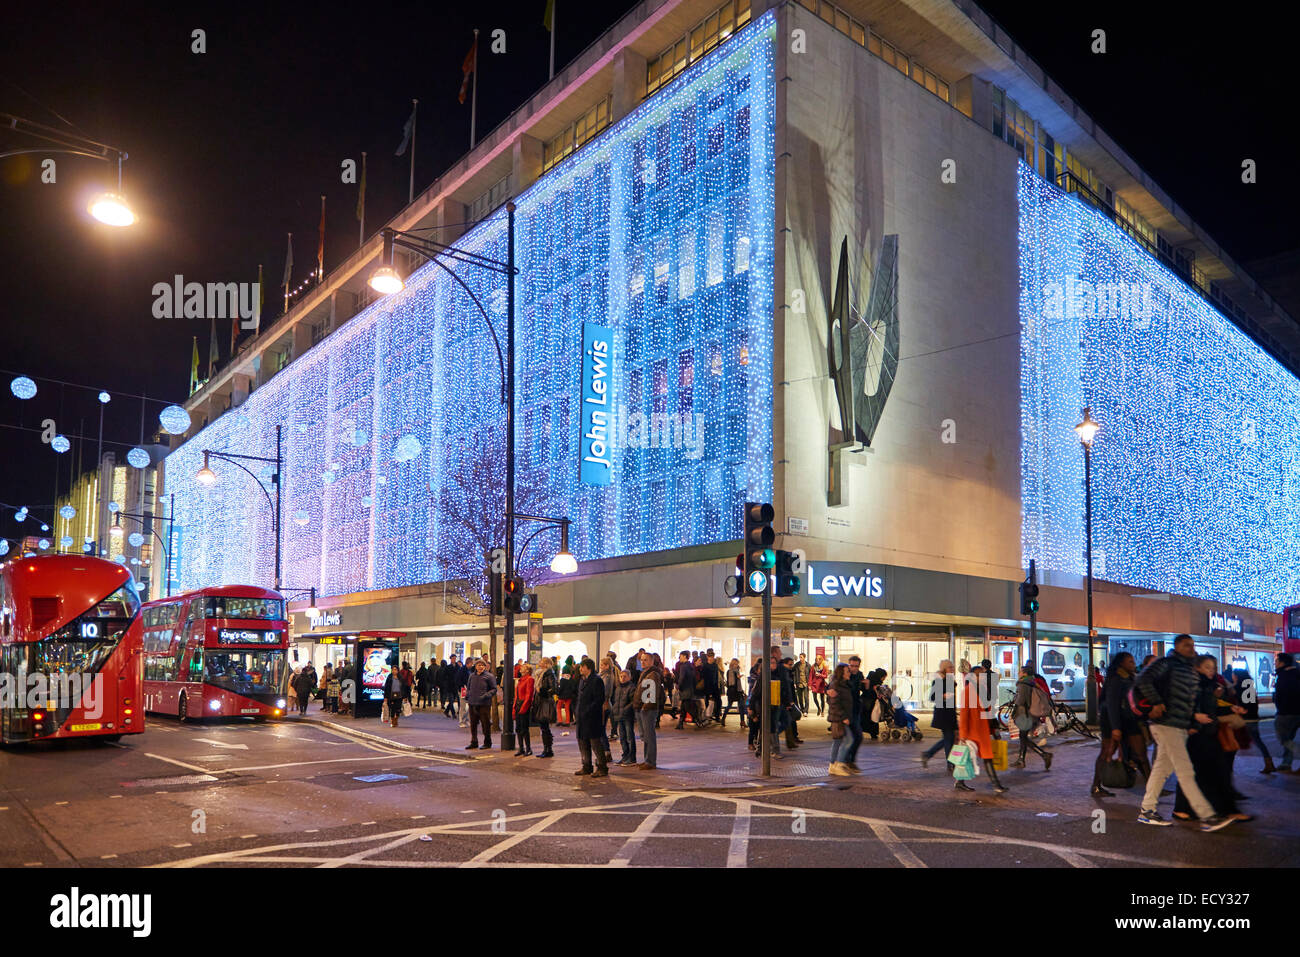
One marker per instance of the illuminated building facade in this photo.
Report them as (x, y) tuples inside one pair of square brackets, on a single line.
[(692, 194)]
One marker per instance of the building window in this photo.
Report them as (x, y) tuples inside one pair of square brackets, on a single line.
[(578, 133), (714, 29), (488, 201)]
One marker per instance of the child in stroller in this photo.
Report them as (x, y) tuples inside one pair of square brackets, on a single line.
[(896, 722)]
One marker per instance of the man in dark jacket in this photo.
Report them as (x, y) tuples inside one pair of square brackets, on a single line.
[(943, 694), (710, 675), (685, 678), (1286, 698), (303, 685), (858, 694), (591, 720), (479, 694), (1170, 685), (447, 686)]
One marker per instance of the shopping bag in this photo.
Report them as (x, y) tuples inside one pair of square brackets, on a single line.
[(1117, 774), (383, 711), (965, 770), (406, 708), (1000, 754), (960, 753)]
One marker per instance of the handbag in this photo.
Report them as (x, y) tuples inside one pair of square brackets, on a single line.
[(1117, 774), (875, 712), (544, 709), (837, 730), (1024, 722), (1227, 737)]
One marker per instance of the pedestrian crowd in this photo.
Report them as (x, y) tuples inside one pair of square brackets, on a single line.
[(1190, 717)]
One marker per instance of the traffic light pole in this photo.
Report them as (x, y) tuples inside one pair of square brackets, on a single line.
[(1033, 618), (766, 677), (507, 738)]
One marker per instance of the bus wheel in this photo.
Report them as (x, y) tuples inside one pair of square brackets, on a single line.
[(182, 711)]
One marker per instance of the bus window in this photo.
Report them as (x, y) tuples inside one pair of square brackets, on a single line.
[(196, 665)]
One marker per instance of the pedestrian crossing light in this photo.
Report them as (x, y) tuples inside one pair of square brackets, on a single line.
[(733, 586), (1028, 598), (760, 558), (516, 598), (787, 579)]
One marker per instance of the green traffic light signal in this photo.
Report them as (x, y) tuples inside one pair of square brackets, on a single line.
[(765, 558)]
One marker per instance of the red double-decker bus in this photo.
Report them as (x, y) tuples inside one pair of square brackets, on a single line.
[(70, 649), (1291, 629), (217, 652)]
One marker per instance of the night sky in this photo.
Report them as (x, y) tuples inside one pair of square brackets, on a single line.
[(231, 149)]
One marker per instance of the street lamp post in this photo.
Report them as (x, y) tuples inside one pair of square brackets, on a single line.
[(386, 280), (1087, 431), (206, 476), (166, 546)]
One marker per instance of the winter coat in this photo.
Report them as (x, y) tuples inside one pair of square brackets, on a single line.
[(1174, 682), (943, 693), (710, 676), (840, 706), (620, 703), (1286, 692), (685, 678), (649, 692), (610, 681), (818, 680), (481, 689), (801, 672), (394, 687), (524, 690), (1115, 711), (304, 683), (568, 687), (973, 726), (591, 707)]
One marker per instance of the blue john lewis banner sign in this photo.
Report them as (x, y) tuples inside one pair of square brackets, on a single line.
[(594, 441)]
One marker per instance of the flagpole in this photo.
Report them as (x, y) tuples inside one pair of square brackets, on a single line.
[(410, 189), (212, 345), (257, 325), (554, 3), (361, 240), (473, 101), (320, 249), (288, 272)]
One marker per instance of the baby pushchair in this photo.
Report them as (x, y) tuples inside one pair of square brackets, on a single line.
[(896, 722)]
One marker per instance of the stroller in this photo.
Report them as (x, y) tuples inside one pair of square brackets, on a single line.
[(896, 722)]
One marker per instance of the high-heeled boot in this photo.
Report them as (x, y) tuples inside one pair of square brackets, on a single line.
[(998, 786)]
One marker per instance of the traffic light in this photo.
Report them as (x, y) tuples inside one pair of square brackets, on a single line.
[(495, 597), (1028, 598), (733, 586), (759, 556), (516, 598), (787, 579)]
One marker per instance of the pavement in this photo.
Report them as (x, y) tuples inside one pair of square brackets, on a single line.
[(335, 792)]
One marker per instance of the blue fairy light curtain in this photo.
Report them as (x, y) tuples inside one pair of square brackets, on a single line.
[(661, 231), (1196, 469)]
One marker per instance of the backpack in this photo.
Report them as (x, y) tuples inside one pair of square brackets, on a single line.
[(1040, 705)]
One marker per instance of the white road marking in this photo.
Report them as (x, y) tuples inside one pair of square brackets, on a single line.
[(188, 767), (541, 824), (896, 847), (221, 744), (60, 803), (643, 831), (107, 857), (182, 845), (738, 850)]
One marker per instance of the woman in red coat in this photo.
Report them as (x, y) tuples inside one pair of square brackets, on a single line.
[(524, 709), (973, 726)]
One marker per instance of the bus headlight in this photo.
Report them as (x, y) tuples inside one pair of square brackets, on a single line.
[(214, 705), (280, 703)]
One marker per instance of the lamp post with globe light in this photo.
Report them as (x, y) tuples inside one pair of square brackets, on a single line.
[(116, 532), (386, 280), (1087, 431), (206, 476)]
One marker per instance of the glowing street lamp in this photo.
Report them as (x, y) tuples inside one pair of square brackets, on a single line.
[(205, 475), (1087, 430)]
